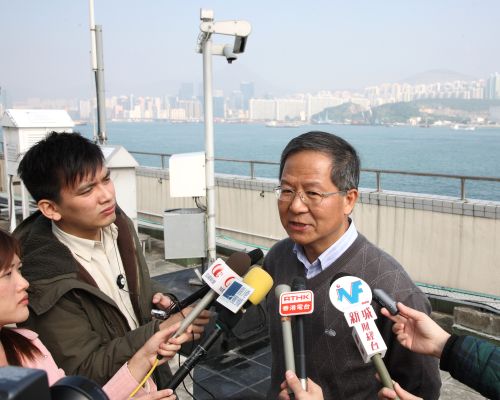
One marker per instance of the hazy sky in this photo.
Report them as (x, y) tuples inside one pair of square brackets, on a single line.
[(294, 45)]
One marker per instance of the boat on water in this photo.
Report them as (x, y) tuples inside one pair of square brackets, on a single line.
[(463, 127), (284, 124)]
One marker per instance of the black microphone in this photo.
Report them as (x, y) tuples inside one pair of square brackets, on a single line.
[(299, 283), (226, 320), (255, 255), (262, 283), (384, 300)]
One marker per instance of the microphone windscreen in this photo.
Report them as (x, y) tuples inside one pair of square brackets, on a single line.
[(280, 289), (260, 281), (239, 262), (338, 276), (255, 255)]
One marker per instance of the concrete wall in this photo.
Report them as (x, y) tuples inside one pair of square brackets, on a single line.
[(440, 241), (437, 248)]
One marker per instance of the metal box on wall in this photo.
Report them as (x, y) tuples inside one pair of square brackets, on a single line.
[(184, 233), (187, 175)]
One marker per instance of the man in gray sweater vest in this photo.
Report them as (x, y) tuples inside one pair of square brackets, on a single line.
[(319, 176)]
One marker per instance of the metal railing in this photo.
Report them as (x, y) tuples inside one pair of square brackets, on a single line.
[(378, 172), (462, 178)]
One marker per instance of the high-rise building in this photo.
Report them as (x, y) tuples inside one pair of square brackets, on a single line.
[(492, 89), (186, 92), (235, 100), (247, 93), (219, 104), (317, 103), (290, 109), (132, 102), (262, 109), (85, 110)]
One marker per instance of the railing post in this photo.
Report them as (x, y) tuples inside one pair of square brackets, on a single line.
[(379, 189), (252, 170), (462, 188), (162, 161)]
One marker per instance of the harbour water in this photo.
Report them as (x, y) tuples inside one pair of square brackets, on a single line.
[(432, 150)]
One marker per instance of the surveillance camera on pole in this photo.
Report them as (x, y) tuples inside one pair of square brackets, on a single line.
[(208, 27), (239, 29)]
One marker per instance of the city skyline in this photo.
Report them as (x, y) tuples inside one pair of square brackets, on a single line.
[(243, 106), (149, 47)]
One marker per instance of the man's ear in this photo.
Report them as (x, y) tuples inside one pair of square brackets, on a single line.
[(350, 200), (50, 209)]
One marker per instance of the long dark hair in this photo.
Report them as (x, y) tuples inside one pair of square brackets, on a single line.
[(15, 345)]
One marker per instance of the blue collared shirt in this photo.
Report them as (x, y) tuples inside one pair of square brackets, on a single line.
[(330, 255)]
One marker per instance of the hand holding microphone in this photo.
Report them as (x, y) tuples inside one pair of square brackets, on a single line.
[(293, 383), (417, 332)]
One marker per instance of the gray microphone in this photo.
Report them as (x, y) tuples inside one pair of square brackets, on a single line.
[(286, 329)]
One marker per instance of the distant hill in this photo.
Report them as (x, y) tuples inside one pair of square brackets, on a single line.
[(430, 110), (341, 113), (436, 75)]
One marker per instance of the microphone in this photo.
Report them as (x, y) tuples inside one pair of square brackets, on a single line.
[(239, 263), (299, 283), (384, 300), (286, 329), (262, 283), (255, 256), (352, 296)]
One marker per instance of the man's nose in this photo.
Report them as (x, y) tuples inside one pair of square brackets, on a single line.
[(106, 191), (298, 203)]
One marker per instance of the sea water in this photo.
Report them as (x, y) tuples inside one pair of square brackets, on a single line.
[(402, 148)]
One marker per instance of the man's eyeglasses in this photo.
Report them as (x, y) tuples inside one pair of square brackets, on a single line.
[(308, 197)]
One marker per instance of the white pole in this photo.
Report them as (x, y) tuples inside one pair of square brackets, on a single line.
[(12, 202), (99, 84), (25, 198), (93, 56), (209, 149)]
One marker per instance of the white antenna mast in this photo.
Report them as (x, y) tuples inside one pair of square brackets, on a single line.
[(98, 69)]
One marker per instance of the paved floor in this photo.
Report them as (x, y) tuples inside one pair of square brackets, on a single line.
[(242, 373)]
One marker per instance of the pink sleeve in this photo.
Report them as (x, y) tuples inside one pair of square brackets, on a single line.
[(122, 384), (45, 362)]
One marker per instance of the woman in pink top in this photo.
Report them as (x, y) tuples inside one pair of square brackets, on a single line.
[(22, 347)]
